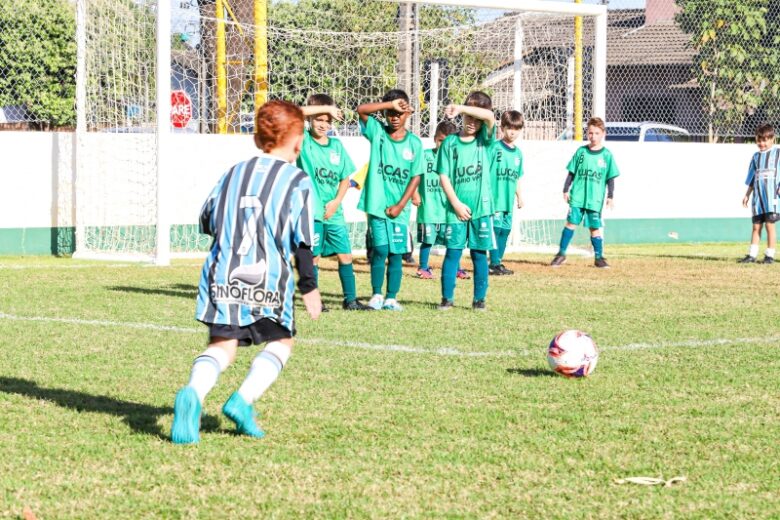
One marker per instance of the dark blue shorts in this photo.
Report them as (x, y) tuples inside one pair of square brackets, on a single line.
[(261, 331), (764, 218)]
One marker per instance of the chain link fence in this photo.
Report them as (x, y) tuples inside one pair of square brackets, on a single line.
[(708, 68)]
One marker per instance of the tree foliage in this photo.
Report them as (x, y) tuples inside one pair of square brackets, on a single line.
[(737, 64), (38, 59)]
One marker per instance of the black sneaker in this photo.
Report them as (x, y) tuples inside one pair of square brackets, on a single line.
[(325, 308), (445, 305), (494, 270), (768, 260), (478, 305), (504, 270), (408, 258), (355, 305), (747, 260), (601, 263), (558, 261)]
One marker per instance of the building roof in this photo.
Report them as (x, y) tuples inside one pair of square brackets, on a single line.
[(662, 43)]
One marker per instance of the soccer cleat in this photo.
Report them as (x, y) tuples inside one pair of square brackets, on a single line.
[(558, 261), (463, 274), (355, 305), (445, 305), (768, 260), (325, 308), (392, 305), (504, 270), (425, 274), (242, 413), (494, 270), (601, 263), (478, 305), (186, 417), (408, 258), (748, 260), (376, 302)]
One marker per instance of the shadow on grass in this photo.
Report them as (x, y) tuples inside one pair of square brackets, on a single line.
[(140, 417), (179, 289), (532, 372)]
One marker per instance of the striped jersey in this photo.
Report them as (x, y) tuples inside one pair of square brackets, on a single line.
[(764, 176), (258, 214)]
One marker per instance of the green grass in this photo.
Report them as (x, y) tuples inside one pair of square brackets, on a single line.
[(686, 385)]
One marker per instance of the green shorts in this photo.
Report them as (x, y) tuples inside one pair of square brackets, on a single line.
[(476, 234), (385, 232), (433, 234), (330, 239), (502, 220), (592, 218)]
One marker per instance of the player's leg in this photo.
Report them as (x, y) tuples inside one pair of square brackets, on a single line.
[(380, 249), (593, 221), (336, 242), (319, 242), (755, 240), (480, 260), (206, 368), (573, 219), (399, 246), (455, 240), (426, 237), (502, 227), (265, 369), (771, 241)]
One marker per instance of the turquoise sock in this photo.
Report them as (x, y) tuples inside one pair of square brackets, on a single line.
[(598, 246), (449, 272), (566, 237), (479, 258), (425, 255), (502, 238), (317, 275), (348, 285), (394, 273), (378, 257)]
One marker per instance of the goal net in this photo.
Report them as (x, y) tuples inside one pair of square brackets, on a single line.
[(228, 58)]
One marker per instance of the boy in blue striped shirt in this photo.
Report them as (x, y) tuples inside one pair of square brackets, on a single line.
[(259, 215), (763, 181)]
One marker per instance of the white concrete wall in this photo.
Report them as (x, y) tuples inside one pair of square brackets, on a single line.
[(658, 180)]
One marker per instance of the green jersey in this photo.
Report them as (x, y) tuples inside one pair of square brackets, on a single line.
[(390, 169), (506, 168), (327, 165), (433, 205), (467, 165), (591, 172)]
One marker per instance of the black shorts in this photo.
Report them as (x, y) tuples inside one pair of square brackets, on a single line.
[(770, 218), (261, 331)]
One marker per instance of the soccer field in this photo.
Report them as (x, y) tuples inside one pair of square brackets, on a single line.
[(419, 414)]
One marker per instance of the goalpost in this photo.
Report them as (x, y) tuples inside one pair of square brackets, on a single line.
[(126, 203)]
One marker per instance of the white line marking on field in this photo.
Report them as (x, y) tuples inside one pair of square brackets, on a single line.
[(52, 266), (443, 351)]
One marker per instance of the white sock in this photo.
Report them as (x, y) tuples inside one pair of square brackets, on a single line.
[(753, 251), (265, 368), (206, 370), (770, 252)]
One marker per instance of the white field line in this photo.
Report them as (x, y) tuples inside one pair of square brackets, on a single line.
[(443, 351), (49, 267)]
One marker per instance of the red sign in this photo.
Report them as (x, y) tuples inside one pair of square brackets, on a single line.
[(181, 108)]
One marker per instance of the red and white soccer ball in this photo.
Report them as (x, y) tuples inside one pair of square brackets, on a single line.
[(573, 353)]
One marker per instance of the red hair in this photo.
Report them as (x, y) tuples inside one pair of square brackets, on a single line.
[(276, 122)]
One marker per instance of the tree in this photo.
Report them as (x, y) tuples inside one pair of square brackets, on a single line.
[(38, 59), (737, 63)]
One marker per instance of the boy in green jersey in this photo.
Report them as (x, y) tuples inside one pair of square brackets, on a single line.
[(505, 173), (329, 166), (591, 171), (394, 169), (463, 164), (431, 203)]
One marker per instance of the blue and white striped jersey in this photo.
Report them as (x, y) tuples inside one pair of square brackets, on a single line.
[(764, 176), (258, 213)]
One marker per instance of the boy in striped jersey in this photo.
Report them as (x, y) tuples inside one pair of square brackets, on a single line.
[(394, 170), (763, 181), (259, 216), (329, 166)]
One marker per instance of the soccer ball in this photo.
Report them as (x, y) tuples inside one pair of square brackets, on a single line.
[(573, 353)]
